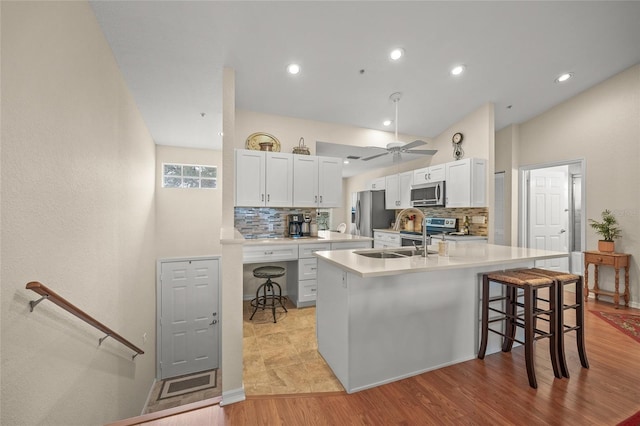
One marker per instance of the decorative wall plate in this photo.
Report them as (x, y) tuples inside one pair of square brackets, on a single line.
[(255, 139)]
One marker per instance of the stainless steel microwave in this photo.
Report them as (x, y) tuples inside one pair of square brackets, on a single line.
[(427, 194)]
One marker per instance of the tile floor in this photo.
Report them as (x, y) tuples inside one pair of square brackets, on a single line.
[(280, 358), (283, 358)]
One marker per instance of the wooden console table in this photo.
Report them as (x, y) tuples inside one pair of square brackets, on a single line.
[(617, 261)]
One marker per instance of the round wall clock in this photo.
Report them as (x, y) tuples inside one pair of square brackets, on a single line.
[(457, 138)]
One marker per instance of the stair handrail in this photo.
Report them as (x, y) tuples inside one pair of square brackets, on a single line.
[(52, 296)]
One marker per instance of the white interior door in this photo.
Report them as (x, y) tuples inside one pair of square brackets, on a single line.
[(188, 318), (549, 214)]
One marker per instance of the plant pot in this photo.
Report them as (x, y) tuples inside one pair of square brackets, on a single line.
[(606, 246)]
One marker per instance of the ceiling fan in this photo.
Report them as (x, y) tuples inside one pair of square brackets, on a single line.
[(397, 147)]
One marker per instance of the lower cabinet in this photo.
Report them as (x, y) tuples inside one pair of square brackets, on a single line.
[(301, 277)]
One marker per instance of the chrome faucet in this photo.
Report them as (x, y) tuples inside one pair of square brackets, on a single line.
[(426, 239)]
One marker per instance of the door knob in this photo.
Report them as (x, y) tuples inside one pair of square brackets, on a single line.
[(562, 231)]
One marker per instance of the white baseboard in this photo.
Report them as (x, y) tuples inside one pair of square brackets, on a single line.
[(146, 403), (233, 396)]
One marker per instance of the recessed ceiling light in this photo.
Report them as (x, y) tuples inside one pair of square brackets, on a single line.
[(396, 54), (564, 77), (387, 122), (457, 70), (293, 68), (345, 162)]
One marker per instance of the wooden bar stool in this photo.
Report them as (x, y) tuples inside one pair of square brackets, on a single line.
[(562, 279), (269, 297), (516, 281)]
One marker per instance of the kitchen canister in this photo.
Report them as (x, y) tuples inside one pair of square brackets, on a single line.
[(443, 248), (314, 229)]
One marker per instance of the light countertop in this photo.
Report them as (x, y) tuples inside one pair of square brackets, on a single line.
[(466, 255), (323, 237), (437, 236)]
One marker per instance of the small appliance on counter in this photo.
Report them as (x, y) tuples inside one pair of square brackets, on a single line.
[(294, 225), (306, 226)]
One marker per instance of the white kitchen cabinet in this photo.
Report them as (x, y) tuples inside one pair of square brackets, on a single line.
[(383, 239), (269, 253), (466, 183), (301, 276), (317, 181), (263, 179), (398, 190), (429, 174), (376, 184)]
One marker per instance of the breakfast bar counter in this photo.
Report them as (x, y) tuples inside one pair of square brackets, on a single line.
[(382, 320)]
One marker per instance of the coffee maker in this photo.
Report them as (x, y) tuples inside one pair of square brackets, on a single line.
[(306, 226), (294, 225)]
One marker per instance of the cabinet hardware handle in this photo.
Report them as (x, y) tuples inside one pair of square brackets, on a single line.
[(321, 198), (316, 199), (268, 252), (268, 197), (262, 197), (215, 321)]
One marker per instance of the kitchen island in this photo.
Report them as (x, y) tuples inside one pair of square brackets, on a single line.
[(382, 320)]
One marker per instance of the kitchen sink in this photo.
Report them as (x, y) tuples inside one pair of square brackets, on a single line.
[(394, 254), (380, 254)]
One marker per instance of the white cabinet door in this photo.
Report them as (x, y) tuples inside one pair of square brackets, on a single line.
[(429, 174), (437, 173), (405, 180), (250, 178), (330, 182), (391, 195), (305, 182), (466, 183), (279, 179), (377, 184), (263, 179)]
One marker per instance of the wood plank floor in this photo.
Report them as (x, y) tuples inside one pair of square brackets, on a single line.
[(493, 391)]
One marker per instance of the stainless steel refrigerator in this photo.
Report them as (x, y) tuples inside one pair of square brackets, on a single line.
[(370, 213)]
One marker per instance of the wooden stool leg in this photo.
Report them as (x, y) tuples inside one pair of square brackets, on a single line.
[(511, 310), (485, 317), (555, 345), (580, 324), (528, 337)]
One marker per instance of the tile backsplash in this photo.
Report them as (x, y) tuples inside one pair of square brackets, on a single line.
[(254, 222), (459, 213)]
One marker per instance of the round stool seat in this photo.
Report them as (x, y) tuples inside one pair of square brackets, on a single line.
[(268, 272)]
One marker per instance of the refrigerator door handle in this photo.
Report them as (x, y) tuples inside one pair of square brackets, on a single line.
[(358, 217)]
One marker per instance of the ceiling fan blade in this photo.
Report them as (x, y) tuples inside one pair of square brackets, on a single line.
[(422, 151), (375, 156), (414, 144)]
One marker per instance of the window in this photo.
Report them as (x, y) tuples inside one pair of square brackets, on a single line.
[(189, 176)]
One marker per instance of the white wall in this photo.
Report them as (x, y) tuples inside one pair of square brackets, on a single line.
[(188, 220), (78, 215), (602, 126)]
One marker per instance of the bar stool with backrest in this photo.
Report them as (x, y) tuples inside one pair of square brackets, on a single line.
[(269, 297), (518, 284), (563, 279)]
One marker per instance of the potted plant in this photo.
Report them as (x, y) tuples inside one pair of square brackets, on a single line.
[(608, 230)]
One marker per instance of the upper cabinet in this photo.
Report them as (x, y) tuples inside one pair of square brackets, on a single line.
[(263, 179), (376, 184), (398, 190), (466, 183), (317, 181), (429, 174)]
